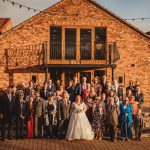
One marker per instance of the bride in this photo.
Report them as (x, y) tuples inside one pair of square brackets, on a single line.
[(79, 126)]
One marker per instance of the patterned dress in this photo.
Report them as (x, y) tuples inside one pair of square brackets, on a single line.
[(98, 118)]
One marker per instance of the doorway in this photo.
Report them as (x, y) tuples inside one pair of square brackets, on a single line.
[(99, 73)]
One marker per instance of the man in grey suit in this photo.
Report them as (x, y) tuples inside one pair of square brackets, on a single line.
[(39, 108), (65, 103), (112, 114)]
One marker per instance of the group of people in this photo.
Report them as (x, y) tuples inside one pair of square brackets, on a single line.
[(78, 111)]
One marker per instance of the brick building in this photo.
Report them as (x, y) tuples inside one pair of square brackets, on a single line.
[(75, 37)]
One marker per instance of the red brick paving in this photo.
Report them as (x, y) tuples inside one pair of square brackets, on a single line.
[(45, 144)]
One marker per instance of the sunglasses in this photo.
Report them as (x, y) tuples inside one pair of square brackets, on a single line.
[(21, 95)]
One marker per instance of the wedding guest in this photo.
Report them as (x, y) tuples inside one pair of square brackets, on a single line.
[(120, 91), (58, 85), (134, 107), (51, 87), (104, 83), (7, 113), (30, 117), (79, 129), (20, 113), (115, 86), (65, 115), (90, 99), (61, 90), (126, 119), (99, 113), (44, 92), (30, 87), (32, 94), (69, 88), (84, 87), (39, 108), (129, 94), (112, 114), (130, 87), (112, 94), (77, 89), (138, 125), (96, 84), (51, 110), (139, 97)]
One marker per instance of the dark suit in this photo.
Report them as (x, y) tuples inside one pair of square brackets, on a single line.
[(77, 90), (139, 98), (20, 113), (44, 94), (7, 109), (51, 88), (103, 86)]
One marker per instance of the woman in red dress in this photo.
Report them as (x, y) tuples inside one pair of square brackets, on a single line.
[(29, 117)]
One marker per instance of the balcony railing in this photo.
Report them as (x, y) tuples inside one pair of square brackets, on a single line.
[(55, 50), (70, 51)]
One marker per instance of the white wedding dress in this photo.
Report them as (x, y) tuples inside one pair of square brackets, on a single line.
[(79, 126)]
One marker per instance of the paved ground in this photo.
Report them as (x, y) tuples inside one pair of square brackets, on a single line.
[(45, 144)]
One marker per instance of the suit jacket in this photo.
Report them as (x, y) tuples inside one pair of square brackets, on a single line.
[(139, 98), (52, 89), (7, 106), (126, 113), (103, 87), (63, 112), (20, 110), (43, 94), (77, 90), (112, 114), (39, 107)]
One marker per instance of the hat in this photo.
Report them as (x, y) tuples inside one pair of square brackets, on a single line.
[(126, 99), (20, 92)]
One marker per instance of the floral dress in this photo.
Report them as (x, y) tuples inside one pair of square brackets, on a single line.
[(98, 118)]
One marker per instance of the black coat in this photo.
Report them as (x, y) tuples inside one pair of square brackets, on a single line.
[(139, 98), (29, 110), (18, 108), (43, 95), (7, 107)]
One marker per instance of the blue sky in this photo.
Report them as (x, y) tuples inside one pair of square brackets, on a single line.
[(123, 8)]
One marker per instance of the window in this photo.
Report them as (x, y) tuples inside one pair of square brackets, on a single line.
[(85, 44), (121, 79), (34, 78), (70, 43), (100, 43), (55, 42)]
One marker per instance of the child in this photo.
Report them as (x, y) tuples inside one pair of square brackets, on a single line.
[(138, 125)]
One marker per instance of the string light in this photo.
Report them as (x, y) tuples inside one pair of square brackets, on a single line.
[(36, 10)]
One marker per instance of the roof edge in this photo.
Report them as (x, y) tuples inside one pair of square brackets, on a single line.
[(119, 18)]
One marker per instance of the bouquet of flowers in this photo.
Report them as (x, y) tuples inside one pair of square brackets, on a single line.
[(79, 110)]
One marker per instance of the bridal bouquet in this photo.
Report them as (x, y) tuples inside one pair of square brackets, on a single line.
[(79, 110)]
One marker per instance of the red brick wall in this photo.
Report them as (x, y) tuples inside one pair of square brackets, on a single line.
[(132, 46)]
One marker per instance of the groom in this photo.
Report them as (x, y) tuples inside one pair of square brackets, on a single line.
[(65, 109)]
